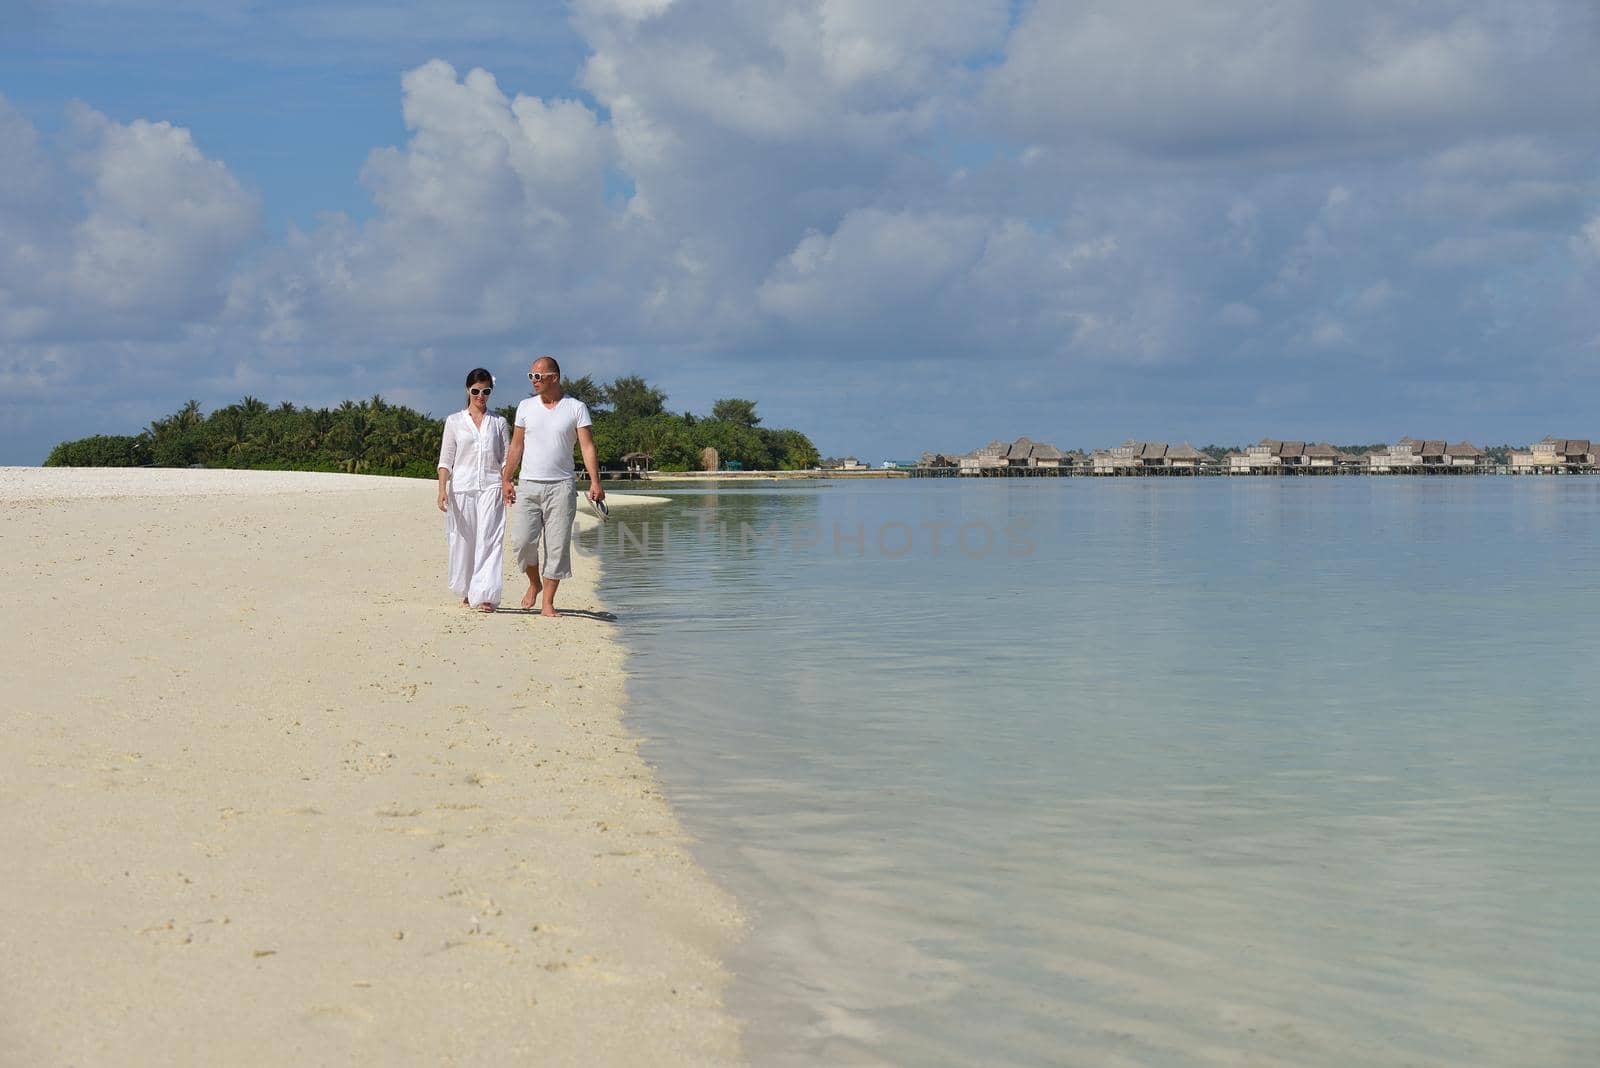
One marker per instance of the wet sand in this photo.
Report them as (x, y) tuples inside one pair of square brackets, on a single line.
[(270, 796)]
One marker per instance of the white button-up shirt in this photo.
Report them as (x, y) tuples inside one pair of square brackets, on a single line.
[(474, 454)]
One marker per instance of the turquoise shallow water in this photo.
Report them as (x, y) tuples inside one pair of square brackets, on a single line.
[(1145, 772)]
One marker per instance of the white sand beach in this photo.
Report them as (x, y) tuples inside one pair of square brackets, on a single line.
[(270, 796)]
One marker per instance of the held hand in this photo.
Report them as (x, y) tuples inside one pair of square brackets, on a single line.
[(441, 501), (509, 491)]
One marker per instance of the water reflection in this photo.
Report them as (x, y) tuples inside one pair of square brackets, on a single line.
[(1273, 771)]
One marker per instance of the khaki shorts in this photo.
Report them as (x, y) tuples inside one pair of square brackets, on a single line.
[(544, 510)]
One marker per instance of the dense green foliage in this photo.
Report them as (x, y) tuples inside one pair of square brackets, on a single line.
[(376, 437), (102, 450)]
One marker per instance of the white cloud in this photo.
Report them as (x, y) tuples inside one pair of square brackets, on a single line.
[(874, 263), (1515, 156), (1376, 297), (1239, 75), (1238, 315), (1328, 334), (1587, 243), (631, 10), (133, 236), (1502, 248), (484, 215)]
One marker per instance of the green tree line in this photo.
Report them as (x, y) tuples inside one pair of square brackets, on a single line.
[(376, 437)]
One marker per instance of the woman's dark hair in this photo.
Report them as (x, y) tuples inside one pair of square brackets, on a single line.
[(478, 374)]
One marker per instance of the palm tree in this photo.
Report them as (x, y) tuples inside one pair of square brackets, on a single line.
[(227, 433)]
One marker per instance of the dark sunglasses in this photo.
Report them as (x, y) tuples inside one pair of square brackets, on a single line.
[(485, 391)]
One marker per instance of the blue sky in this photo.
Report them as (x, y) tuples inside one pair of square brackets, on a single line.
[(898, 227)]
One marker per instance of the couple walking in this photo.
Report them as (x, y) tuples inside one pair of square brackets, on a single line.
[(477, 460)]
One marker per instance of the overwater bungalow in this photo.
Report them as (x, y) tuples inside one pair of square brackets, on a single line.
[(1399, 458), (1321, 458), (1292, 456), (1258, 459), (1553, 456), (1049, 457), (1118, 460), (1186, 458), (985, 460), (1018, 453), (1431, 455), (1021, 457), (1466, 456)]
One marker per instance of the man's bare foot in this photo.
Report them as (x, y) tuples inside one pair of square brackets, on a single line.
[(530, 598), (549, 611), (486, 607)]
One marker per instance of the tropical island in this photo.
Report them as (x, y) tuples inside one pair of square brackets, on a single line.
[(631, 421)]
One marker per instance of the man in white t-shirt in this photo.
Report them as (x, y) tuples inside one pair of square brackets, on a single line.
[(548, 424)]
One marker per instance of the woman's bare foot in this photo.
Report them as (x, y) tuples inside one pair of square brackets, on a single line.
[(465, 603), (485, 607)]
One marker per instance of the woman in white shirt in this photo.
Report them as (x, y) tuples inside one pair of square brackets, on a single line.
[(470, 459)]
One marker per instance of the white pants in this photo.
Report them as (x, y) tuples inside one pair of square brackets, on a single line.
[(475, 530)]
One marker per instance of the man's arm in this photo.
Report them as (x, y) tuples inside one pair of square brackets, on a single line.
[(508, 486), (591, 463)]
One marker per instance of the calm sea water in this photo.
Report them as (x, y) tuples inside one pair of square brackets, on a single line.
[(1137, 771)]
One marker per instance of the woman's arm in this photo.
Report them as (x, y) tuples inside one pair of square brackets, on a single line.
[(447, 461)]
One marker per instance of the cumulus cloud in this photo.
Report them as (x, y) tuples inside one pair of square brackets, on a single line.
[(874, 262), (484, 216), (131, 235), (1239, 75)]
